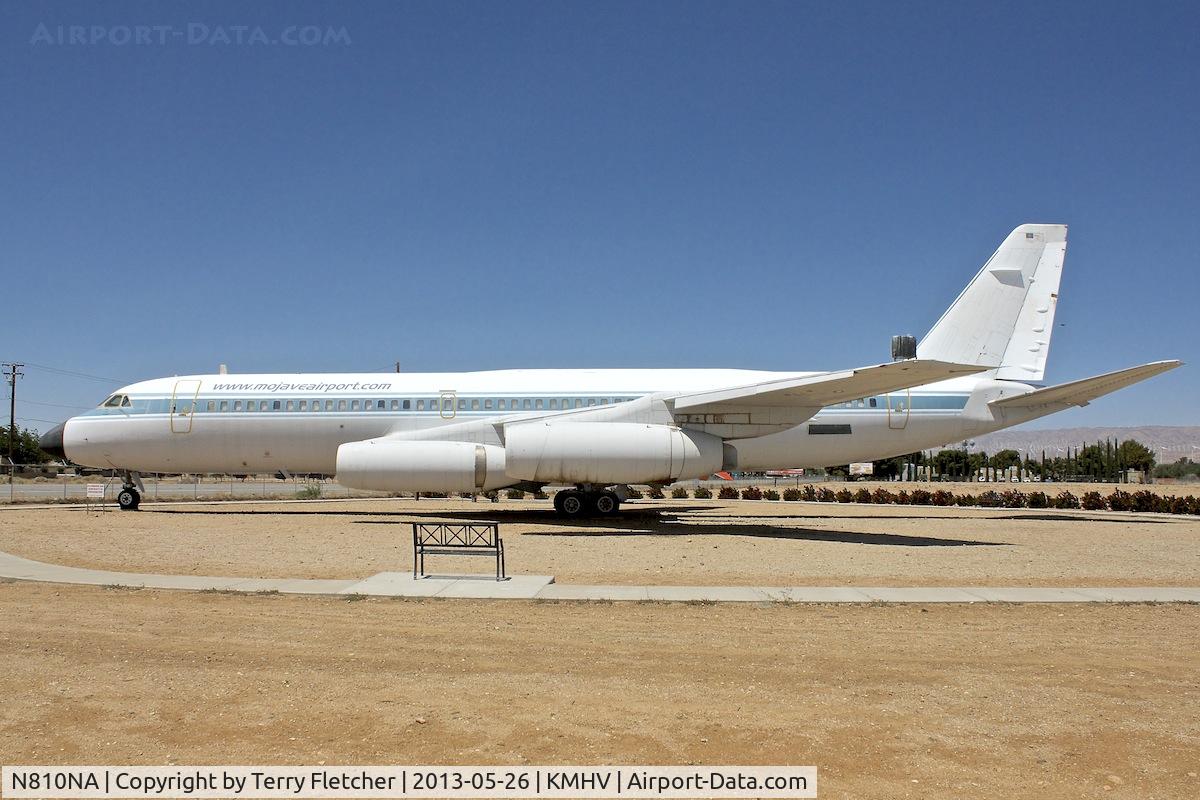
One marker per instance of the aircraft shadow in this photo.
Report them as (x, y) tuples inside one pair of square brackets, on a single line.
[(660, 522), (632, 521)]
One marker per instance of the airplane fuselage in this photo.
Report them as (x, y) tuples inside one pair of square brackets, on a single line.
[(295, 423)]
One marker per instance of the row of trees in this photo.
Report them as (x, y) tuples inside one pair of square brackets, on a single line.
[(1102, 461), (25, 450), (1183, 468)]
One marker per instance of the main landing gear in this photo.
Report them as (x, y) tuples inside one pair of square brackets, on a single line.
[(129, 498), (575, 504)]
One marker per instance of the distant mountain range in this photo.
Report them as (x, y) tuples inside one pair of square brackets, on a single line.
[(1170, 442)]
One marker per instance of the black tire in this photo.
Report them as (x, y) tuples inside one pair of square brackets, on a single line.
[(572, 504), (129, 499), (605, 504)]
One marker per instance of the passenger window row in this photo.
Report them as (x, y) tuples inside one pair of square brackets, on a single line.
[(442, 404)]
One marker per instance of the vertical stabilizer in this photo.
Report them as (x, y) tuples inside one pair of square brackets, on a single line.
[(1005, 316)]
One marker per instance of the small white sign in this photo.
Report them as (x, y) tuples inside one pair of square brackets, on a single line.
[(95, 491)]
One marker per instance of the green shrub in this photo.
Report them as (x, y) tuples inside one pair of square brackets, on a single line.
[(752, 493), (679, 493), (633, 494), (1120, 501), (702, 493), (310, 492), (1037, 500), (434, 495), (655, 492), (792, 494), (844, 496), (966, 500), (1065, 499), (903, 498), (540, 495), (770, 494), (941, 498), (826, 495), (727, 493), (920, 497), (515, 494), (863, 495), (808, 492), (1092, 501)]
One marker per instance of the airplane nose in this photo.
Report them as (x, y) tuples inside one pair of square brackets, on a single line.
[(52, 441)]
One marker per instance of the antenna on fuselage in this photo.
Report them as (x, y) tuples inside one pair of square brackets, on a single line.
[(223, 370)]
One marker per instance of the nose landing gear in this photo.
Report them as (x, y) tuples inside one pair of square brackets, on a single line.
[(129, 498)]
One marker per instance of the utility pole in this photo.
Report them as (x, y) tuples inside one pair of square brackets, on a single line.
[(14, 372)]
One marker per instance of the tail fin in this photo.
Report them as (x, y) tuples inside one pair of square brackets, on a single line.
[(1005, 316)]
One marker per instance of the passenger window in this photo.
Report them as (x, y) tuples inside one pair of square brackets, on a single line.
[(553, 403), (224, 405), (275, 406), (487, 404), (872, 402), (407, 405), (538, 403), (500, 404), (474, 405), (578, 403), (212, 405), (249, 405), (591, 401), (395, 405), (304, 405), (341, 405), (526, 403), (262, 405), (237, 405), (420, 405), (291, 405), (462, 405), (329, 405), (354, 405)]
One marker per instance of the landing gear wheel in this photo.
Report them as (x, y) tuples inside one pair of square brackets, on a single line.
[(570, 504), (606, 503), (129, 499)]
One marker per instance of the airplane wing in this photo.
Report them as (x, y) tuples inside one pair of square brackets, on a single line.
[(824, 389), (1082, 392)]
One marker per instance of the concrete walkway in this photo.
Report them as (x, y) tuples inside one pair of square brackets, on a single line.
[(543, 587)]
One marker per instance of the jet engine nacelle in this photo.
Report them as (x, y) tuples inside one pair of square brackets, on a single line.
[(608, 452), (391, 465)]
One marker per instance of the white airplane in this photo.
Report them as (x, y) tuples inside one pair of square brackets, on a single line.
[(599, 431)]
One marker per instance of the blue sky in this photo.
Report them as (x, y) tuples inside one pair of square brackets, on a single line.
[(485, 185)]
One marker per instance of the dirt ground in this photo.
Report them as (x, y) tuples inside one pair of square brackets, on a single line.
[(664, 542), (888, 701)]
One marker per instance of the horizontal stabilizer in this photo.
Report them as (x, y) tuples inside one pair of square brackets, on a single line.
[(1082, 392), (824, 389)]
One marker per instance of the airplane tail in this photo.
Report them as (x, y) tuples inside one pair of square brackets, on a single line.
[(1004, 318)]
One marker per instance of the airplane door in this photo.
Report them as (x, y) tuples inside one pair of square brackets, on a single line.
[(448, 404), (183, 405), (898, 407)]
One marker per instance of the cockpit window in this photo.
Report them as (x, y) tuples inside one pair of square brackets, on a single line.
[(117, 401)]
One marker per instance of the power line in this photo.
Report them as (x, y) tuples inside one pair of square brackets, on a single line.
[(73, 373), (55, 405), (39, 419)]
